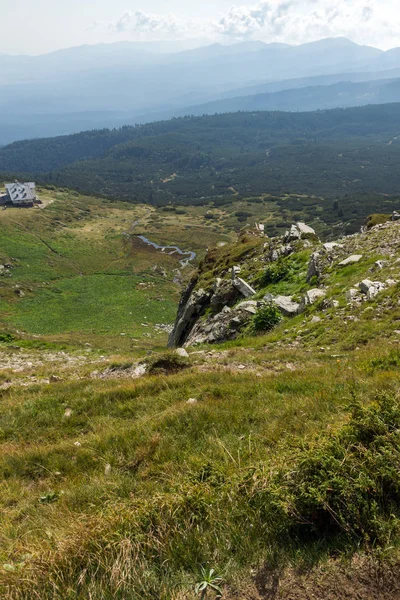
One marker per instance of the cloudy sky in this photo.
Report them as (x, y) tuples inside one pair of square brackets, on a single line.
[(37, 26)]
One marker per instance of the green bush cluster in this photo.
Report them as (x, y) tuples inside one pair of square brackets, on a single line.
[(267, 318), (275, 272), (349, 485)]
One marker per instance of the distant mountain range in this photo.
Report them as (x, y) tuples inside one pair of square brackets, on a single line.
[(110, 85)]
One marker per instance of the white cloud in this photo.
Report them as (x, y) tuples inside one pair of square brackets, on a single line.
[(293, 21), (141, 22)]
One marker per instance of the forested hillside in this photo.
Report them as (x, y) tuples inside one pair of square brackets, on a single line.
[(197, 160)]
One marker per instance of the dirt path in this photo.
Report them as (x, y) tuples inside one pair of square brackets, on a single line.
[(363, 579)]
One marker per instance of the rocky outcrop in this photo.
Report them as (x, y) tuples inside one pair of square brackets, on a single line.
[(191, 306), (222, 301), (224, 326)]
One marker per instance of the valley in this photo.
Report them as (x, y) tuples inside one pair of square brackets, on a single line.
[(146, 468)]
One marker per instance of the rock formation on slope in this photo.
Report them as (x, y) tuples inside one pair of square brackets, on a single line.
[(294, 272)]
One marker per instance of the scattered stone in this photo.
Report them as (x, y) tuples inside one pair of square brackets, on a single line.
[(371, 288), (192, 401), (182, 352), (77, 444), (68, 413), (330, 303), (311, 297), (244, 288), (236, 270), (241, 367), (314, 269), (396, 216), (329, 246), (316, 319), (249, 306), (380, 264), (352, 295), (107, 469), (354, 258), (55, 379)]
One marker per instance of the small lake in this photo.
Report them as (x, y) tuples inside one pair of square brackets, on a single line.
[(188, 254)]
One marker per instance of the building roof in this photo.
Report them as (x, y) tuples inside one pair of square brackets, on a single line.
[(20, 193)]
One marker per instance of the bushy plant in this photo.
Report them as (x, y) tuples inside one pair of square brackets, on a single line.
[(275, 272), (267, 318), (350, 484), (168, 362)]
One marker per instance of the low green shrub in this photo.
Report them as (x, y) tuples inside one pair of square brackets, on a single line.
[(349, 484), (6, 338), (275, 272), (166, 363), (266, 318)]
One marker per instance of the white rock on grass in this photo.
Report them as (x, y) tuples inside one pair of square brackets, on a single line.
[(311, 297), (305, 229), (351, 260), (284, 303), (249, 306), (244, 288), (371, 288), (332, 245), (182, 352)]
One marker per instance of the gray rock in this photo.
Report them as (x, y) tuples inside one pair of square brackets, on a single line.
[(371, 288), (329, 246), (191, 307), (236, 270), (292, 235), (182, 352), (396, 216), (330, 303), (380, 264), (314, 269), (244, 288), (285, 304), (311, 297), (352, 295), (249, 306), (350, 260), (305, 229)]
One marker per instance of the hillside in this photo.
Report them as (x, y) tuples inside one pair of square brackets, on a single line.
[(272, 458), (343, 94), (74, 274), (345, 155), (116, 84)]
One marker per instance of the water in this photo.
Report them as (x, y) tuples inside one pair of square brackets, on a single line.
[(174, 250)]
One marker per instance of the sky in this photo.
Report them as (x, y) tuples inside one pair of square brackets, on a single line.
[(40, 26)]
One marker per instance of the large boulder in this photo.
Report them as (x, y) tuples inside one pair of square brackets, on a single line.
[(286, 305), (304, 229), (311, 297)]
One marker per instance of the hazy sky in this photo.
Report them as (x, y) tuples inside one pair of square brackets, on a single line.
[(37, 26)]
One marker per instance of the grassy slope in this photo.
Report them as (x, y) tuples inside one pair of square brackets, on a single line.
[(136, 490), (82, 279)]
